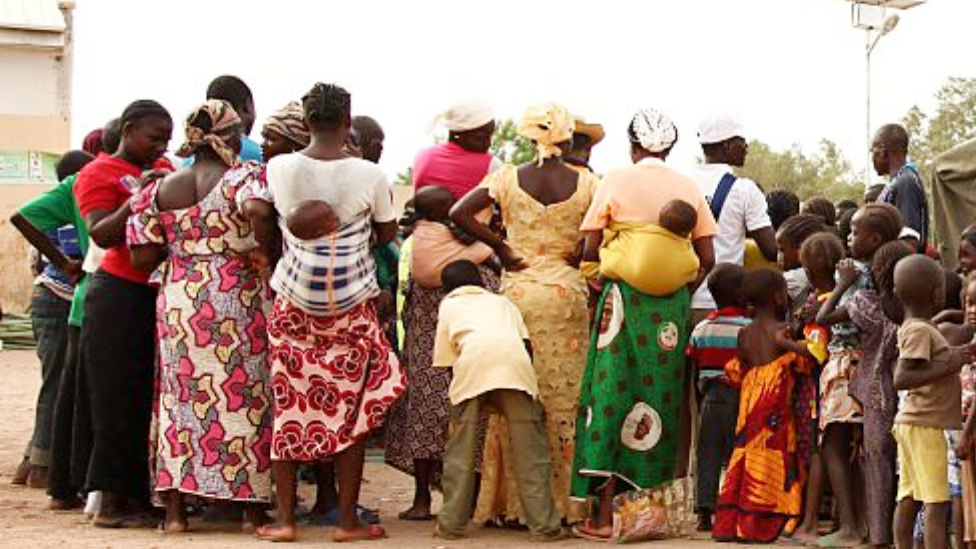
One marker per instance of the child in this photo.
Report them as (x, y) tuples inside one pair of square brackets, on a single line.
[(712, 345), (482, 337), (840, 414), (763, 488), (311, 220), (965, 447), (819, 256), (929, 370), (418, 424), (630, 250), (789, 239), (871, 384)]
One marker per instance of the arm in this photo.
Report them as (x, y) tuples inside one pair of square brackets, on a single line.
[(829, 314), (706, 259), (964, 448), (106, 227), (147, 257), (766, 240), (528, 349), (592, 240), (912, 373), (463, 214), (949, 316), (384, 233), (44, 245), (786, 343)]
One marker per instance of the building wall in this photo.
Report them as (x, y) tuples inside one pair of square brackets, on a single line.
[(15, 292), (30, 83)]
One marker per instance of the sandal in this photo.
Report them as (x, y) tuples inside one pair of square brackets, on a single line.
[(367, 533)]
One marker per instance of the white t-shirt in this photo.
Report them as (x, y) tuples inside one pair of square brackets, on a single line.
[(351, 186), (744, 211)]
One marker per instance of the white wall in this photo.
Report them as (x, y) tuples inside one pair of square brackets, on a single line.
[(29, 82)]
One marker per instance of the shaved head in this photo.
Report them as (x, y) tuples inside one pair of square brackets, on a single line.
[(894, 137)]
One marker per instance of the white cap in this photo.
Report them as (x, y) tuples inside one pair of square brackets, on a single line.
[(720, 125), (468, 115)]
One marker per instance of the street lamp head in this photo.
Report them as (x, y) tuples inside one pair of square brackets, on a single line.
[(890, 23)]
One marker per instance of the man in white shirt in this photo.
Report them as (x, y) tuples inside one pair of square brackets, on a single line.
[(738, 204)]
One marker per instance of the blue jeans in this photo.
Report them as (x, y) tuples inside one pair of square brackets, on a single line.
[(49, 318)]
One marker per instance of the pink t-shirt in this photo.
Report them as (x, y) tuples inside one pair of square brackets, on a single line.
[(450, 166)]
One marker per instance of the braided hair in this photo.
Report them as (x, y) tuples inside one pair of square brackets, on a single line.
[(326, 106), (142, 109), (795, 230)]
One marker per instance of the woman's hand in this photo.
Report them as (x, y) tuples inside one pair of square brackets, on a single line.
[(510, 260), (257, 263)]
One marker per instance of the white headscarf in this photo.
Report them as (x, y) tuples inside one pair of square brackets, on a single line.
[(466, 116), (654, 131)]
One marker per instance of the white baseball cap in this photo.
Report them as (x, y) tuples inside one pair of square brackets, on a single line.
[(720, 125)]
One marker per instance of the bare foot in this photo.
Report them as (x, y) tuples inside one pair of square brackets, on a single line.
[(420, 511), (273, 532), (57, 504), (840, 539), (254, 519), (174, 527), (804, 536), (363, 533)]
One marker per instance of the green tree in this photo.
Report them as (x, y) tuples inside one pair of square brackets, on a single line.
[(506, 145), (954, 120), (826, 173)]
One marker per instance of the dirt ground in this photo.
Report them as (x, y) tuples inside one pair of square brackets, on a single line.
[(25, 523)]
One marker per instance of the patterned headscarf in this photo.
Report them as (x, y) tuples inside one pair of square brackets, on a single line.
[(289, 121), (224, 124), (654, 131), (547, 125)]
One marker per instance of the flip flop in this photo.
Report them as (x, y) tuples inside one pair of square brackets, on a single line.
[(368, 533), (415, 515)]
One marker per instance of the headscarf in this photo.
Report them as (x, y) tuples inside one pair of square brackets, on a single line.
[(93, 142), (547, 125), (289, 121), (224, 123), (465, 116), (654, 131)]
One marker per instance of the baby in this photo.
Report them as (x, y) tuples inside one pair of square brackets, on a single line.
[(311, 220), (679, 217), (437, 242)]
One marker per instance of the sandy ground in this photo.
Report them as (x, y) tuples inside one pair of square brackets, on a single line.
[(25, 523)]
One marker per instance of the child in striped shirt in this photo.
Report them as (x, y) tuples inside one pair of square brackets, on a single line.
[(713, 343)]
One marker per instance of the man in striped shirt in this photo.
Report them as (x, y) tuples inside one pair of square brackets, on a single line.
[(713, 343)]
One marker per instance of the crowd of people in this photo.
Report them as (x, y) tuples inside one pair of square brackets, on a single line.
[(539, 342)]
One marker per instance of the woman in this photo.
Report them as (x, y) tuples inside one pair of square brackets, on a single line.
[(334, 375), (417, 431), (118, 335), (284, 132), (463, 161), (632, 402), (542, 204), (214, 404)]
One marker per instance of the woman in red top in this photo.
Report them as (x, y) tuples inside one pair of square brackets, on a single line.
[(118, 336)]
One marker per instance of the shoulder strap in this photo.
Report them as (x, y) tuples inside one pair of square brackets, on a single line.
[(721, 193)]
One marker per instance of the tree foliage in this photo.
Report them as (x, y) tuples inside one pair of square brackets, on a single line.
[(953, 122), (826, 173), (506, 145)]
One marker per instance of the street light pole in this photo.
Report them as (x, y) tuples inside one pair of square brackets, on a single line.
[(873, 36)]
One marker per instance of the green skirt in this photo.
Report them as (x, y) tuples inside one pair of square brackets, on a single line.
[(633, 391)]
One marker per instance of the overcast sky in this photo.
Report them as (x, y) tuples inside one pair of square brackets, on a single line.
[(794, 69)]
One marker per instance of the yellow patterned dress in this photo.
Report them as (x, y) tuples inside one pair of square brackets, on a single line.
[(551, 294)]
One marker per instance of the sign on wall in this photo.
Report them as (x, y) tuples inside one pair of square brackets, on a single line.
[(27, 167)]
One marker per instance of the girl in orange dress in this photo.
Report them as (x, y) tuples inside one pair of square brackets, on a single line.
[(762, 494)]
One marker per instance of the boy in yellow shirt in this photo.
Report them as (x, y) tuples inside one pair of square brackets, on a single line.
[(482, 336)]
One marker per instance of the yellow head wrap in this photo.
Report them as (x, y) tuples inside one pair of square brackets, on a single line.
[(547, 125)]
